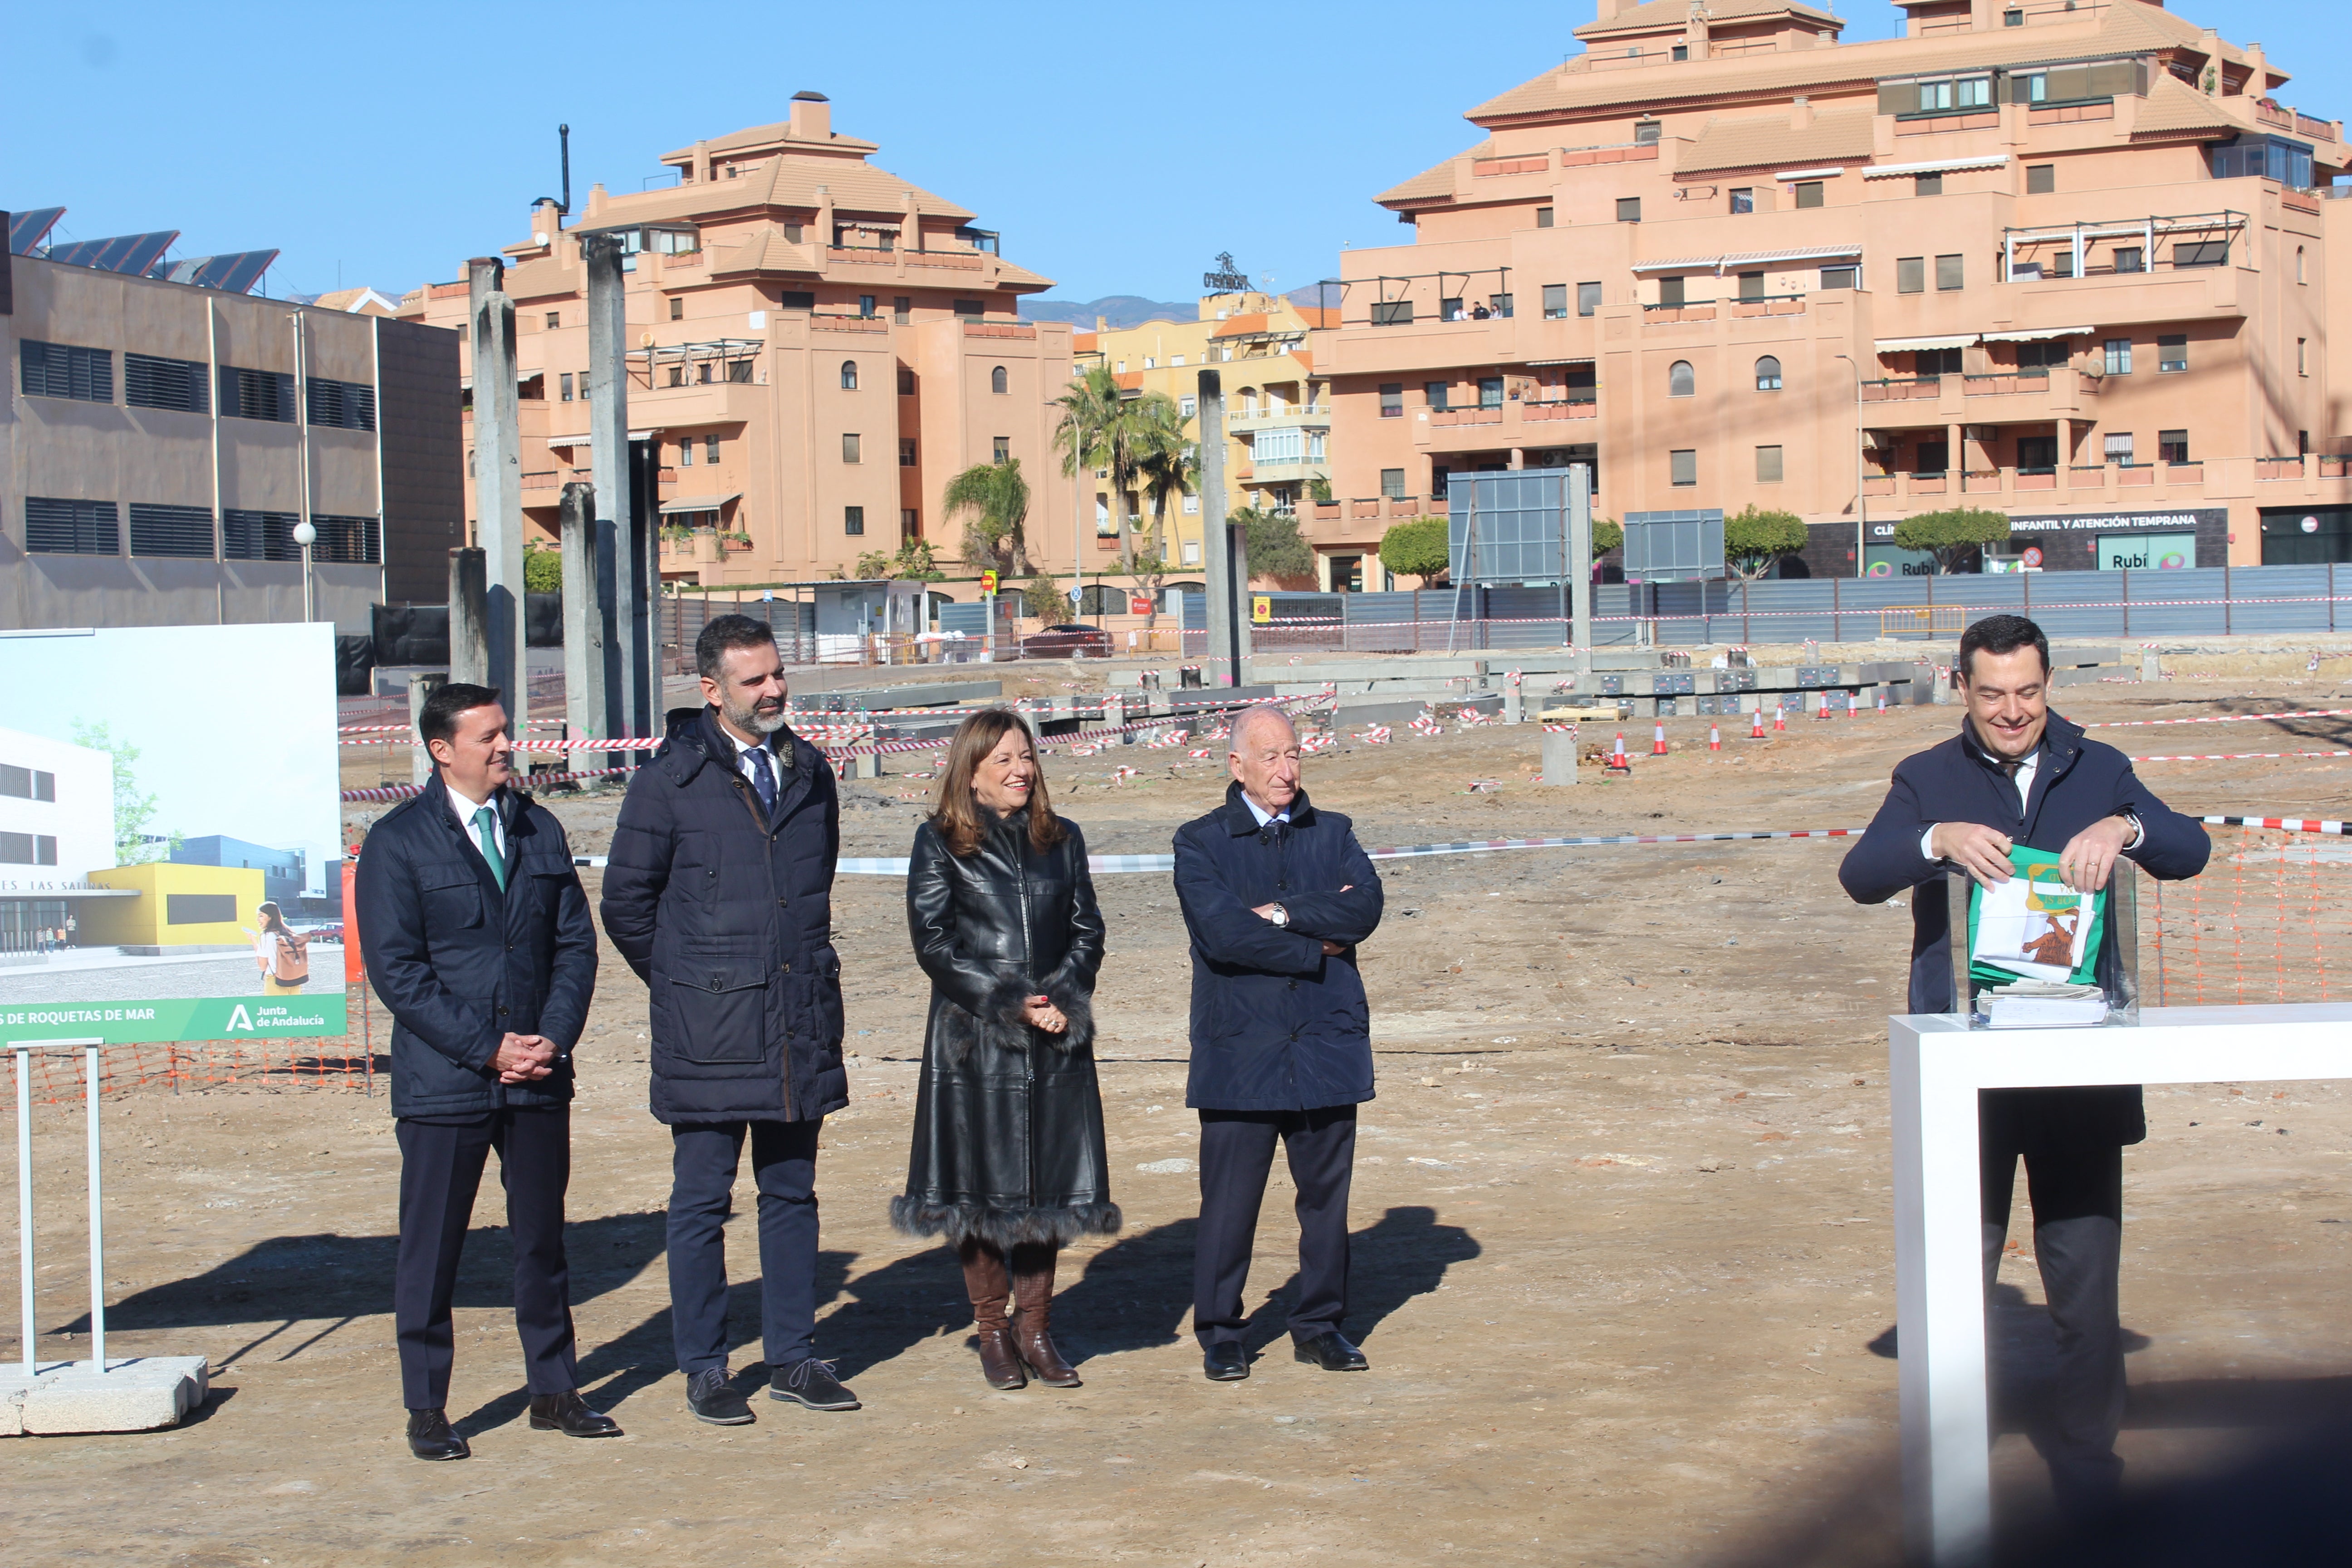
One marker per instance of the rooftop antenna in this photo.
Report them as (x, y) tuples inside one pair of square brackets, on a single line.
[(564, 141)]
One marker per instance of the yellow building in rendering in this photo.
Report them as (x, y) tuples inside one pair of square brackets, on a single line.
[(1276, 415), (178, 906)]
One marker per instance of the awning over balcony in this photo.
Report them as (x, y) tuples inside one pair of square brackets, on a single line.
[(697, 504), (2038, 334), (587, 440), (1686, 264), (1934, 166), (1807, 253), (1904, 345)]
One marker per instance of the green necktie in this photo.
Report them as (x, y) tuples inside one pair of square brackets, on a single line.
[(486, 828)]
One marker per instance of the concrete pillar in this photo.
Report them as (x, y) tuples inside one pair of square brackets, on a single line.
[(1559, 757), (583, 626), (1514, 711), (1580, 556), (2148, 669), (420, 687), (469, 653), (497, 480), (1114, 714), (1224, 568), (617, 567)]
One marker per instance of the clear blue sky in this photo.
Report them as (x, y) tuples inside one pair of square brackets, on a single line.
[(1119, 149)]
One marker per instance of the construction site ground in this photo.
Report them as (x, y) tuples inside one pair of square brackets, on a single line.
[(1622, 1267)]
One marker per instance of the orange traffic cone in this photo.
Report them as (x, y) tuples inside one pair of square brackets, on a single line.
[(1779, 721), (1714, 738), (1851, 706), (1821, 705), (1882, 705), (1658, 743), (1756, 732), (1617, 757)]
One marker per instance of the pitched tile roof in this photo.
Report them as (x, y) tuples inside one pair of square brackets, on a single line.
[(1753, 142), (1659, 14), (2173, 105), (1436, 182), (783, 181)]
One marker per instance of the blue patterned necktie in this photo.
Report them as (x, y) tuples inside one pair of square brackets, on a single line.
[(763, 779)]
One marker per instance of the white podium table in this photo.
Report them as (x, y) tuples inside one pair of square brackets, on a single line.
[(1936, 1065)]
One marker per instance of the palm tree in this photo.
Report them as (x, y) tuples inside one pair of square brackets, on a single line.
[(1091, 407), (1165, 466), (998, 497)]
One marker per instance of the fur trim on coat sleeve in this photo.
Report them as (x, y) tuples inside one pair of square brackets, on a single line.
[(1078, 1007)]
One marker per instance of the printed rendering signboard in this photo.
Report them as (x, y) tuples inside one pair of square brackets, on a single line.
[(170, 833), (1674, 546)]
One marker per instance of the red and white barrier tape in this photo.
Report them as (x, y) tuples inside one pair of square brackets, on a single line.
[(2236, 756), (2222, 719)]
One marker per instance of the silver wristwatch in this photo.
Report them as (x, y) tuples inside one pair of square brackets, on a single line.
[(1281, 917)]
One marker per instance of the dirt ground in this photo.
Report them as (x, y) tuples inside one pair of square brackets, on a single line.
[(1632, 1120)]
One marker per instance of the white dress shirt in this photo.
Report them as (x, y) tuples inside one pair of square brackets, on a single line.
[(1264, 816), (749, 769), (463, 808), (2024, 776)]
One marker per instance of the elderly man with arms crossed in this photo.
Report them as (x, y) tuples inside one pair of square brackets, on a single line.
[(1275, 895)]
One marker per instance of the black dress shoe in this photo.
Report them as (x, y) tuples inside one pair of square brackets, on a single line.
[(713, 1398), (1332, 1352), (811, 1382), (1226, 1362), (431, 1438), (568, 1414)]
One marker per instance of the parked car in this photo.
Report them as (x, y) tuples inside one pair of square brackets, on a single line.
[(1073, 640)]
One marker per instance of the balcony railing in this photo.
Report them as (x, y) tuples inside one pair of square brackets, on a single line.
[(1020, 330), (847, 323), (2264, 468), (1663, 315), (1487, 416), (1902, 389), (2004, 383), (1560, 408)]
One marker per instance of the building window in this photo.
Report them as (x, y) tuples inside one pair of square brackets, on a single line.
[(1751, 285), (1930, 183), (911, 523), (563, 386), (1192, 553), (71, 527), (2040, 179), (2172, 445), (1490, 391), (1434, 393), (853, 520), (149, 381), (1674, 291), (27, 784), (676, 308), (55, 370), (902, 312), (1743, 200), (1910, 274), (2298, 265), (257, 395), (710, 450), (1927, 362), (1440, 474), (2130, 259), (343, 404), (849, 449), (998, 381), (865, 307), (181, 531), (1391, 312), (1646, 131), (1681, 380), (906, 381), (677, 375), (347, 540), (2050, 352), (41, 849), (1839, 277), (970, 310), (2118, 356), (1588, 298), (1004, 449), (2012, 17), (1767, 465), (2172, 353), (554, 319), (2119, 448), (1543, 217), (2302, 359), (1392, 484), (686, 452), (1948, 275), (1629, 209), (1809, 193), (1393, 400), (906, 453), (1682, 466), (1187, 406), (849, 375), (1679, 53), (1555, 301), (259, 536), (2200, 253), (1768, 375)]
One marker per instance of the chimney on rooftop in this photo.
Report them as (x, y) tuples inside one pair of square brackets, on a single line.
[(1801, 113), (811, 117), (1607, 10)]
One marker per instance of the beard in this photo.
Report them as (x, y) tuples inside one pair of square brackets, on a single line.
[(758, 718)]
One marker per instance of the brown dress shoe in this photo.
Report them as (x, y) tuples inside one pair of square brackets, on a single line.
[(1032, 1296), (984, 1282)]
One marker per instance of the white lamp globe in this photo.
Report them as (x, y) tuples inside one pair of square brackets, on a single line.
[(305, 535)]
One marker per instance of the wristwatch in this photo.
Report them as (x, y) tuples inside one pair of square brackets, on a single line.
[(2138, 833), (1280, 917)]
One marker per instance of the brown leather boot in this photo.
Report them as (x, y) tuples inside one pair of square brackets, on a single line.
[(1032, 1296), (984, 1282)]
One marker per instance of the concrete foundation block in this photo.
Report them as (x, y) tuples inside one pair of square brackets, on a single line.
[(1559, 757), (141, 1394)]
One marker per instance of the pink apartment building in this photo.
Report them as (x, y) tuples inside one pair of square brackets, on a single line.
[(817, 347), (2069, 261)]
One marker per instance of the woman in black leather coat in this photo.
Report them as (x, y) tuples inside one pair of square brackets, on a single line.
[(1008, 1161)]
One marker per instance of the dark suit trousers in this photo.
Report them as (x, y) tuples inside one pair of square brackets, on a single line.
[(703, 1158), (1236, 1155), (2077, 1192), (440, 1170)]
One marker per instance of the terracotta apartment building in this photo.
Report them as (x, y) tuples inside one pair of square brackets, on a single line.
[(2066, 261), (817, 348)]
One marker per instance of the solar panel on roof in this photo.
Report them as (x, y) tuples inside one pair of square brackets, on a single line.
[(26, 228), (236, 271), (132, 253)]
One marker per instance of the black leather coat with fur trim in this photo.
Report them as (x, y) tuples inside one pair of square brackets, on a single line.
[(1008, 1143)]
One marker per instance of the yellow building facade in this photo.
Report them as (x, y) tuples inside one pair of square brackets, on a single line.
[(178, 906), (1277, 418)]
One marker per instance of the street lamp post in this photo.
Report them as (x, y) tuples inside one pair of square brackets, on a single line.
[(306, 535), (1861, 500)]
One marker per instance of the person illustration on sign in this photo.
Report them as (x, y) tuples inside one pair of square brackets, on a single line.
[(284, 956)]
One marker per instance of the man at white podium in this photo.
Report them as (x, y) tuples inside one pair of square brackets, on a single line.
[(2017, 780)]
